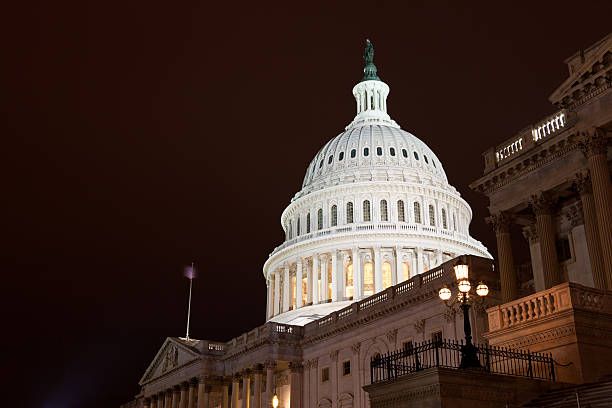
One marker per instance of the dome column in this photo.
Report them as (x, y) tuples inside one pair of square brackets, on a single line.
[(378, 281), (419, 261), (315, 279), (357, 277), (298, 284), (276, 309), (397, 276), (324, 278), (286, 288), (335, 276)]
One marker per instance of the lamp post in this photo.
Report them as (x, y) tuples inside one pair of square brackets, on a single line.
[(469, 352)]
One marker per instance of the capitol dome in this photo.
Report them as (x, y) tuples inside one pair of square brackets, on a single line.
[(375, 209)]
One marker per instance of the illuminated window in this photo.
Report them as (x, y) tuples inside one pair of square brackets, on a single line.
[(308, 223), (401, 213), (298, 226), (392, 151), (405, 271), (386, 275), (444, 225), (320, 219), (368, 279), (366, 151), (349, 212), (416, 156), (417, 212), (348, 289), (334, 215), (353, 153), (384, 213), (341, 156), (432, 216), (367, 216), (379, 151), (331, 158), (405, 153)]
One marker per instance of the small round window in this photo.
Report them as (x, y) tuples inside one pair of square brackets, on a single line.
[(353, 153), (341, 156), (416, 155), (330, 159), (366, 151), (426, 161), (405, 153), (379, 151), (392, 151)]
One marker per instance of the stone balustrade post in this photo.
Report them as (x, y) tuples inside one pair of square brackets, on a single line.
[(501, 224), (542, 206), (594, 145), (582, 184)]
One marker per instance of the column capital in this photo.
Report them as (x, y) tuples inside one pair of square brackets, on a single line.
[(334, 355), (530, 233), (582, 183), (258, 368), (185, 386), (296, 366), (176, 389), (270, 364), (203, 379), (356, 347), (500, 221), (575, 215), (237, 376), (593, 142), (541, 204)]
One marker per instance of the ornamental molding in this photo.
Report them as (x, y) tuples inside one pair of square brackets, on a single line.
[(530, 232), (419, 326), (392, 336), (500, 222), (545, 336), (594, 142), (582, 183)]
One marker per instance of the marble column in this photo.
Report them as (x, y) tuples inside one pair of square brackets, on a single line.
[(225, 393), (439, 257), (397, 276), (286, 288), (202, 403), (176, 396), (298, 284), (582, 184), (531, 235), (335, 276), (235, 390), (270, 365), (324, 278), (168, 398), (184, 391), (357, 274), (246, 389), (355, 373), (501, 224), (192, 394), (160, 400), (270, 305), (542, 207), (276, 292), (258, 373), (419, 261), (594, 145), (378, 279), (315, 279), (147, 403), (308, 281), (295, 379)]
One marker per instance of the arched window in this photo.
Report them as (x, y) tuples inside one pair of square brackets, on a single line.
[(348, 288), (308, 223), (392, 151), (384, 213), (334, 215), (379, 151), (405, 271), (444, 224), (432, 216), (405, 153), (341, 156), (353, 153), (386, 275), (417, 212), (349, 212), (368, 279), (426, 161), (330, 159), (367, 216), (366, 151), (320, 219), (454, 222), (298, 226), (401, 213)]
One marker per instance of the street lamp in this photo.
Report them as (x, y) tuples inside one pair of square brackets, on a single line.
[(275, 401), (469, 352)]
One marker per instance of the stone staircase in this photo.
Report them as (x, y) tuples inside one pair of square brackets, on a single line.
[(591, 395)]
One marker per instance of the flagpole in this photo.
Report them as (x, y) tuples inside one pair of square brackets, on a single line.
[(189, 306)]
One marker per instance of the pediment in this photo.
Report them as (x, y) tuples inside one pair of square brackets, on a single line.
[(173, 354), (585, 73)]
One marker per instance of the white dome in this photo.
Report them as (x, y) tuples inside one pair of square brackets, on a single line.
[(374, 151), (375, 209)]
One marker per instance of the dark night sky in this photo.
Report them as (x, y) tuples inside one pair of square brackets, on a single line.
[(141, 136)]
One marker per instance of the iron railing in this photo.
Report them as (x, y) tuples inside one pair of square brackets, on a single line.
[(447, 354)]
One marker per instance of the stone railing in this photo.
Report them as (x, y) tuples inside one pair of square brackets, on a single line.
[(548, 303), (402, 227)]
